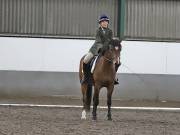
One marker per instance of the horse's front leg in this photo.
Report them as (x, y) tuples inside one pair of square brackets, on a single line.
[(109, 100), (95, 102)]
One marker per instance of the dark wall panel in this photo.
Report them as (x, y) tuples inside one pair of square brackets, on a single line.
[(152, 19), (76, 18)]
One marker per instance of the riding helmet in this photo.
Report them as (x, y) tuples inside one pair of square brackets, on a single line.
[(103, 18)]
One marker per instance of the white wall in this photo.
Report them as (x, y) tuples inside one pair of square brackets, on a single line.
[(151, 57), (39, 54)]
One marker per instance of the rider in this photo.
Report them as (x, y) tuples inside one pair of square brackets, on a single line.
[(103, 37)]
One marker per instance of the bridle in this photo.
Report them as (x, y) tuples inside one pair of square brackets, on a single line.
[(109, 60), (114, 59)]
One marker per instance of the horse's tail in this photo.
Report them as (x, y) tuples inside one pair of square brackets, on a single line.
[(81, 69), (89, 96), (86, 88)]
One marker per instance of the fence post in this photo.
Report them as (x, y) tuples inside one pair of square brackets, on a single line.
[(121, 18)]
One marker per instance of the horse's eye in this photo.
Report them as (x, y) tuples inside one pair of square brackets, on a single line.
[(116, 48)]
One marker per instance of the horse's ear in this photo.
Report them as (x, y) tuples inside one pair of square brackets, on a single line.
[(116, 42), (119, 44)]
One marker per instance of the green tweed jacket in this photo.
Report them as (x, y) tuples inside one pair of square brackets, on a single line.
[(103, 38)]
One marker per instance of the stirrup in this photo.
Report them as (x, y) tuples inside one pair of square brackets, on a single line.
[(116, 81)]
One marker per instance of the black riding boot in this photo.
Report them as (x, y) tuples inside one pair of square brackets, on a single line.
[(85, 71), (116, 69)]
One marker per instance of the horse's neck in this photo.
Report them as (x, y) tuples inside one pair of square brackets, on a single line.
[(104, 69), (107, 65)]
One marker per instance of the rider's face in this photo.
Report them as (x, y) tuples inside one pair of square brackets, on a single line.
[(104, 24)]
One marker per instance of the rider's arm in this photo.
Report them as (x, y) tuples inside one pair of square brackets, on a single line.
[(108, 38), (98, 37)]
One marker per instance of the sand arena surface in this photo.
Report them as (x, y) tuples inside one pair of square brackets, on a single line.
[(66, 121)]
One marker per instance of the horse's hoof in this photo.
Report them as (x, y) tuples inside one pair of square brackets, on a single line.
[(83, 116), (94, 118), (109, 118)]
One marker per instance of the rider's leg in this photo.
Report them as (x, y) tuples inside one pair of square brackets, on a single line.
[(88, 57), (86, 60), (116, 69), (117, 66)]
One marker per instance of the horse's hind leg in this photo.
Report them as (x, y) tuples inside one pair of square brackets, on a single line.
[(95, 101), (109, 100), (84, 91), (88, 97)]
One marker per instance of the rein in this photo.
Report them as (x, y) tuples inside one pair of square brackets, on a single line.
[(109, 60)]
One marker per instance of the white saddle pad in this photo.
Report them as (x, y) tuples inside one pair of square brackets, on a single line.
[(94, 64)]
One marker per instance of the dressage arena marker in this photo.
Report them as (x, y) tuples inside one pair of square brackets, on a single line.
[(101, 107)]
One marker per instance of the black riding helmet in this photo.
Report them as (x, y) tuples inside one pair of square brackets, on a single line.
[(103, 18)]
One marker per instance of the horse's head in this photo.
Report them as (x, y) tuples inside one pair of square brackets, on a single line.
[(112, 52), (116, 46)]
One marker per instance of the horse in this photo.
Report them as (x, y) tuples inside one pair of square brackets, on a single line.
[(102, 76)]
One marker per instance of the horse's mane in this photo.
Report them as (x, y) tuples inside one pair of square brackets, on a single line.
[(103, 50), (113, 43)]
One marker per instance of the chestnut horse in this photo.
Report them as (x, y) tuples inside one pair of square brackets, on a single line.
[(103, 76)]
